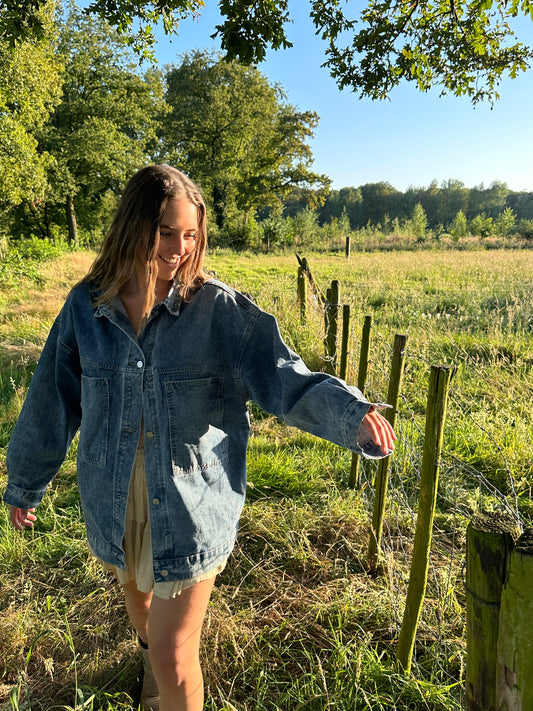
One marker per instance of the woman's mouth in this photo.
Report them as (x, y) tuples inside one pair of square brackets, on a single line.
[(171, 261)]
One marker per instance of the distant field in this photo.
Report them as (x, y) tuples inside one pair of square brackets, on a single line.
[(296, 621)]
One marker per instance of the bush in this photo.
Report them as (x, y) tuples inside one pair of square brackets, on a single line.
[(22, 258), (481, 226), (525, 229)]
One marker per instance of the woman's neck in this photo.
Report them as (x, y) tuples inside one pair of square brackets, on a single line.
[(133, 296)]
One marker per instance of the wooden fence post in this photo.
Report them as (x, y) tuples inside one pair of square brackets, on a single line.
[(439, 383), (343, 368), (361, 382), (331, 319), (489, 539), (302, 261), (514, 678), (347, 247), (382, 476), (302, 293)]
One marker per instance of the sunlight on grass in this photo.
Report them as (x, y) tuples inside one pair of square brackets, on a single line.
[(296, 620)]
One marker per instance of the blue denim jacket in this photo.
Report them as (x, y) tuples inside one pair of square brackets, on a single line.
[(190, 374)]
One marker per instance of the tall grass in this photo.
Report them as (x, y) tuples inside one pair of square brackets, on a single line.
[(296, 621)]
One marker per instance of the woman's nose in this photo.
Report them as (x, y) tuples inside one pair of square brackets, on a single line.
[(179, 246)]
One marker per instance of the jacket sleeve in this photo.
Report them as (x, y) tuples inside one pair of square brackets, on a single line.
[(48, 421), (277, 379)]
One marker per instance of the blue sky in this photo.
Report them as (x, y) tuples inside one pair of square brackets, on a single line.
[(408, 140)]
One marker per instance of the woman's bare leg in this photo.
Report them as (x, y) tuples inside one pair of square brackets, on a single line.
[(138, 607), (174, 630)]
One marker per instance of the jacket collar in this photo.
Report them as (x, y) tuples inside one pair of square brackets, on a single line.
[(112, 308)]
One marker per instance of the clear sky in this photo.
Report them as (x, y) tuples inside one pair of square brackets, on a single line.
[(407, 140)]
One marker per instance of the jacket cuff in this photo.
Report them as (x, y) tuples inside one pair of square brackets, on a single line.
[(22, 498)]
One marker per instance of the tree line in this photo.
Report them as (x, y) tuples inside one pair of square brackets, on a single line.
[(444, 205), (78, 116)]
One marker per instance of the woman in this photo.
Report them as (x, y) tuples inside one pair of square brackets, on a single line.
[(154, 363)]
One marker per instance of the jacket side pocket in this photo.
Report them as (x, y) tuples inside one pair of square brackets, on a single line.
[(94, 429)]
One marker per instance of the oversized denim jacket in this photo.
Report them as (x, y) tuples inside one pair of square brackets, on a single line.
[(190, 374)]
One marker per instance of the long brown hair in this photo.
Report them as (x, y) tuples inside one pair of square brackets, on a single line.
[(135, 227)]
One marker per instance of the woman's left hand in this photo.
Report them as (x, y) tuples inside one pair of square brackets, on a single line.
[(374, 427)]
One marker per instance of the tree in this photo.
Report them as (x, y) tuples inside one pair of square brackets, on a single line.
[(304, 227), (29, 89), (481, 226), (22, 19), (235, 133), (465, 47), (505, 222), (459, 226), (105, 125), (419, 221), (379, 199)]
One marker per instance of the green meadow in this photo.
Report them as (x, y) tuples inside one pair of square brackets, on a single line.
[(296, 622)]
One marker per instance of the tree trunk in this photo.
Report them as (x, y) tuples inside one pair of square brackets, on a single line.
[(219, 205), (47, 222), (71, 221)]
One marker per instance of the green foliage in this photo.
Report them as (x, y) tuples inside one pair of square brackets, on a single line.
[(29, 90), (23, 20), (249, 27), (236, 134), (525, 228), (466, 48), (459, 226), (381, 203), (419, 221), (275, 231), (481, 225), (103, 127), (20, 20), (304, 227), (21, 259), (505, 223)]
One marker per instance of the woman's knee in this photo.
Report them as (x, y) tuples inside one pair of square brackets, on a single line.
[(175, 667)]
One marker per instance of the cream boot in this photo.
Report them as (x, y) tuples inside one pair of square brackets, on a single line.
[(149, 693)]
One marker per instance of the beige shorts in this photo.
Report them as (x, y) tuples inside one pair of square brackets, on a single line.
[(137, 543)]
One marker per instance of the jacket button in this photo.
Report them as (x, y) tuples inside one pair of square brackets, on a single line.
[(149, 434), (155, 502), (139, 364), (164, 573)]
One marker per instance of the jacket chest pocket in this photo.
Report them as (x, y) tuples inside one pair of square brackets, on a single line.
[(94, 429), (196, 411)]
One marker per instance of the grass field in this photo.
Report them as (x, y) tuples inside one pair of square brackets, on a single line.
[(296, 620)]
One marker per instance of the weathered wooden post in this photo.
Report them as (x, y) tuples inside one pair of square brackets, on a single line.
[(302, 261), (331, 318), (361, 382), (345, 342), (302, 293), (347, 247), (439, 383), (514, 678), (489, 539), (382, 476)]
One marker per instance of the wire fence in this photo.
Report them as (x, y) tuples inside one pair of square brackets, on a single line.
[(464, 489)]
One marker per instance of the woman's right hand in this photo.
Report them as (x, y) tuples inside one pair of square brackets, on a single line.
[(21, 518)]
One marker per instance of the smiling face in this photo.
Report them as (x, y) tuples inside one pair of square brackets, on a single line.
[(176, 237)]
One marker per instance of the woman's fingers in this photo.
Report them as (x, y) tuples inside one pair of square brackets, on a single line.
[(380, 430), (21, 518)]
